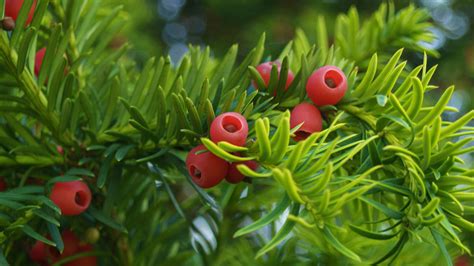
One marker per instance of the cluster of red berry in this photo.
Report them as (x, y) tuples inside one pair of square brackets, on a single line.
[(326, 86), (72, 198), (208, 170), (45, 255)]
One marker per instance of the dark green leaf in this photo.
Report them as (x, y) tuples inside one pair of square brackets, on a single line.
[(339, 246), (383, 121), (80, 172), (56, 236), (104, 171), (32, 233), (122, 152), (153, 156), (372, 235), (270, 217), (101, 217), (45, 216), (65, 178), (96, 148), (442, 246), (282, 234), (24, 49), (27, 190), (10, 204), (386, 210), (395, 250)]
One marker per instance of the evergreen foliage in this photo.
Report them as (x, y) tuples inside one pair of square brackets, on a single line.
[(383, 182)]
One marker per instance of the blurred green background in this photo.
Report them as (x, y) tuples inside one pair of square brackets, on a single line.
[(158, 27)]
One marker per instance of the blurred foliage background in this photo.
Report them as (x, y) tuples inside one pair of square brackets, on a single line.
[(168, 26)]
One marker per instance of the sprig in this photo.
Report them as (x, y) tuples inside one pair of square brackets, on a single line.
[(386, 170)]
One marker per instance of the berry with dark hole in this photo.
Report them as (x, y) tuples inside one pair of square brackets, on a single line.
[(326, 86), (13, 7), (206, 169), (8, 24), (231, 127), (39, 60), (265, 70), (72, 197), (86, 260), (234, 176), (38, 252), (310, 116), (3, 184)]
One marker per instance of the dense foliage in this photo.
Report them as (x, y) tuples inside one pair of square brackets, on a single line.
[(383, 182)]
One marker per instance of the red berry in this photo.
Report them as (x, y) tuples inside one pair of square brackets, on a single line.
[(231, 127), (84, 261), (71, 197), (3, 184), (310, 115), (234, 176), (71, 246), (462, 261), (39, 60), (206, 169), (12, 9), (38, 252), (60, 149), (265, 70), (326, 86)]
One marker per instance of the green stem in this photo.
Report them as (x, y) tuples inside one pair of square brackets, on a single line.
[(360, 114), (371, 121)]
